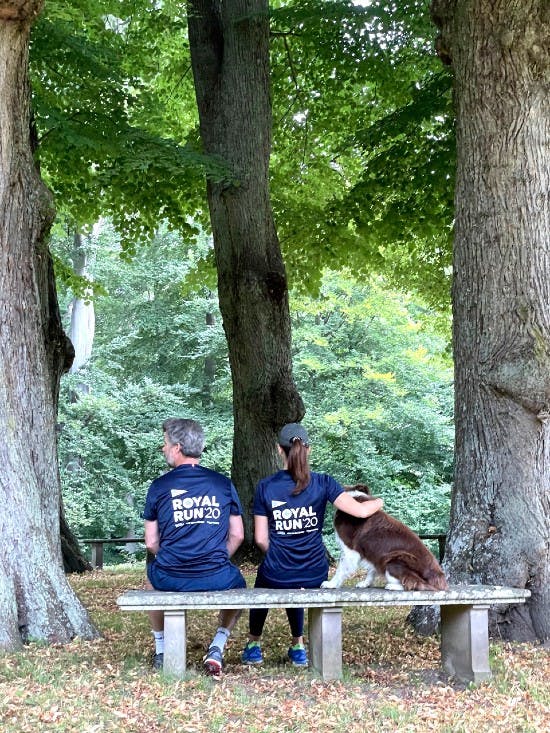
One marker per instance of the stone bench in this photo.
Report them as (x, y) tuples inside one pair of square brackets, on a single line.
[(464, 619)]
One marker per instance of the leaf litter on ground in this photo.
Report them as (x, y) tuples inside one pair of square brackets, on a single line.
[(392, 680)]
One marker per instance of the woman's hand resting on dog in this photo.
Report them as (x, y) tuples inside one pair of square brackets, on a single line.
[(362, 509)]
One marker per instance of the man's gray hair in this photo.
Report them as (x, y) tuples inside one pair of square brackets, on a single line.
[(188, 433)]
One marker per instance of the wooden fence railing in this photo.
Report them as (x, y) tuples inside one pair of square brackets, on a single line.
[(96, 545)]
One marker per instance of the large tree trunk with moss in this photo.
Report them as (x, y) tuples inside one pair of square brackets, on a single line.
[(35, 599), (230, 56), (500, 516)]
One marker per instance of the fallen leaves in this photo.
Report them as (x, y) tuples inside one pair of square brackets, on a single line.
[(393, 680)]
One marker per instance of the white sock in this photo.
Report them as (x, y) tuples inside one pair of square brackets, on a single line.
[(159, 642), (222, 635)]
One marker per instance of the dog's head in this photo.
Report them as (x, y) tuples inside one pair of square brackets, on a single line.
[(363, 488), (361, 492)]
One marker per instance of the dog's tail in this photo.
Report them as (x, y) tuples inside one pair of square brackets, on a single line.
[(415, 574)]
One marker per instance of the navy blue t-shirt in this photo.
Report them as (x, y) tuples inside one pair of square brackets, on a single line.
[(192, 505), (296, 552)]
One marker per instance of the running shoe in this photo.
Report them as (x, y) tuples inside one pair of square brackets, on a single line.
[(252, 653), (298, 655), (213, 661)]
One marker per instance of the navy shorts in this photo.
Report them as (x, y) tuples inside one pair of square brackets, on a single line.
[(264, 582), (227, 577)]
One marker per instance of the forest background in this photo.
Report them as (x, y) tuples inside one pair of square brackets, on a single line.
[(371, 363), (352, 114), (329, 137)]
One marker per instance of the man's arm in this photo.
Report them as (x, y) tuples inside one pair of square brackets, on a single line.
[(362, 509), (235, 535), (261, 532), (152, 536)]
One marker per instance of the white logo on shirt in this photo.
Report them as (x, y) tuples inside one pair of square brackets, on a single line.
[(177, 492), (275, 503), (295, 521), (196, 510)]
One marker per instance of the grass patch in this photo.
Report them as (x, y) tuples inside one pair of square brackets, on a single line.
[(392, 680)]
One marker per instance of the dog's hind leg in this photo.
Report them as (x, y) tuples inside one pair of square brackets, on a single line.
[(392, 583), (347, 566)]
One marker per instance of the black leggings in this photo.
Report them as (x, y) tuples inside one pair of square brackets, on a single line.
[(257, 616), (295, 619)]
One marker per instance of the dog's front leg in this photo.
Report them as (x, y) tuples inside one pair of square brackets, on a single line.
[(347, 565), (370, 574)]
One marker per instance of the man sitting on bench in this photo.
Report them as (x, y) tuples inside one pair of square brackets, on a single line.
[(193, 525)]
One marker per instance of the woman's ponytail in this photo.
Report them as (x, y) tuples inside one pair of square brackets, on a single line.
[(298, 465), (294, 441)]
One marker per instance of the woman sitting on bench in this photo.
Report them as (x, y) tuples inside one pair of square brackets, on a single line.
[(289, 509)]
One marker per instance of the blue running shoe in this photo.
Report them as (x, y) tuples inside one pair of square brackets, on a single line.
[(298, 655), (252, 653)]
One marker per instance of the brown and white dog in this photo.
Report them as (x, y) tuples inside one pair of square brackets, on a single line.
[(381, 545)]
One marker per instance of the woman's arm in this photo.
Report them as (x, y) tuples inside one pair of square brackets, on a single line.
[(346, 503), (261, 532)]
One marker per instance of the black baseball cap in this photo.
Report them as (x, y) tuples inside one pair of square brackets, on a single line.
[(289, 433)]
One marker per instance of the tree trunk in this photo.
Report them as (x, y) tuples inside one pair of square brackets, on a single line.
[(209, 372), (82, 311), (60, 355), (500, 515), (81, 336), (230, 56), (73, 559), (35, 599)]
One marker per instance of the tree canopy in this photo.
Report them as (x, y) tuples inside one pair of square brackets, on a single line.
[(363, 153)]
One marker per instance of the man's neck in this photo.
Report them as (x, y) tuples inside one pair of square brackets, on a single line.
[(186, 461)]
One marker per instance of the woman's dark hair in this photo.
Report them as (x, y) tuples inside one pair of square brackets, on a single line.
[(298, 464)]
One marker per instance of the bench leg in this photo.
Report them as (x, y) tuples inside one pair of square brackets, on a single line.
[(465, 642), (325, 641), (175, 643)]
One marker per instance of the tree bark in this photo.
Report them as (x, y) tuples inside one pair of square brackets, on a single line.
[(35, 599), (60, 355), (500, 515), (81, 338), (82, 329), (230, 57)]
